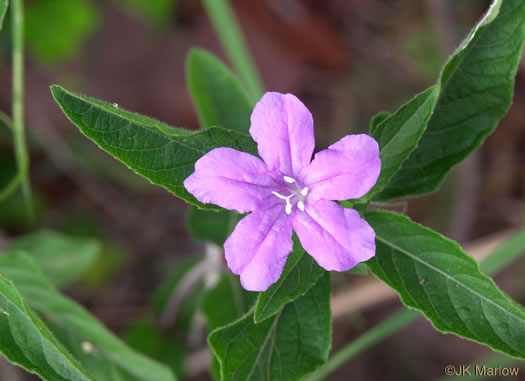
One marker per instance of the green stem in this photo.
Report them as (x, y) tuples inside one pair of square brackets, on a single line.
[(19, 141), (6, 120), (505, 254), (10, 188), (502, 256), (230, 35)]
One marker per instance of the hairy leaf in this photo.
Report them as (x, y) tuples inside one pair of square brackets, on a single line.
[(61, 258), (432, 274), (284, 347), (476, 87), (300, 273), (98, 350), (164, 155)]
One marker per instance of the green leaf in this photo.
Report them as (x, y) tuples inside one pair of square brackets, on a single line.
[(164, 155), (3, 10), (235, 301), (284, 347), (56, 29), (433, 275), (377, 119), (156, 12), (219, 97), (476, 91), (227, 28), (99, 351), (208, 225), (26, 341), (62, 259), (145, 336), (220, 100), (300, 273), (398, 135), (359, 269)]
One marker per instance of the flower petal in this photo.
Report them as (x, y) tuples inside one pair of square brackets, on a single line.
[(347, 169), (282, 126), (231, 179), (336, 237), (258, 248)]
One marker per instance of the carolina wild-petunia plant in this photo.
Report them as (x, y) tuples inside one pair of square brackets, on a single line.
[(250, 182), (289, 190), (287, 332)]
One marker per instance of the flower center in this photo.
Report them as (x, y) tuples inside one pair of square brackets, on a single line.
[(297, 195)]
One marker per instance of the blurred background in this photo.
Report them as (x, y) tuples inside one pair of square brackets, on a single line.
[(346, 60)]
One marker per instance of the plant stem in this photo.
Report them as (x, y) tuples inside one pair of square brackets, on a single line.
[(505, 254), (502, 256), (230, 35), (19, 141), (6, 120), (382, 330)]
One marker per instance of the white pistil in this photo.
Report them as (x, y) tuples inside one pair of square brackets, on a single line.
[(281, 196), (301, 195)]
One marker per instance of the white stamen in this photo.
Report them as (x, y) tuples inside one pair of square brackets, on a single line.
[(299, 195), (281, 196)]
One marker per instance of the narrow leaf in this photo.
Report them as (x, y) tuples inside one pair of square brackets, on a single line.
[(284, 347), (433, 275), (228, 30), (26, 341), (61, 258), (95, 347), (219, 97), (398, 135), (164, 155), (300, 273), (476, 91)]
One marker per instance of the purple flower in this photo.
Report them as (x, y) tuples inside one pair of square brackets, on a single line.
[(289, 191)]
